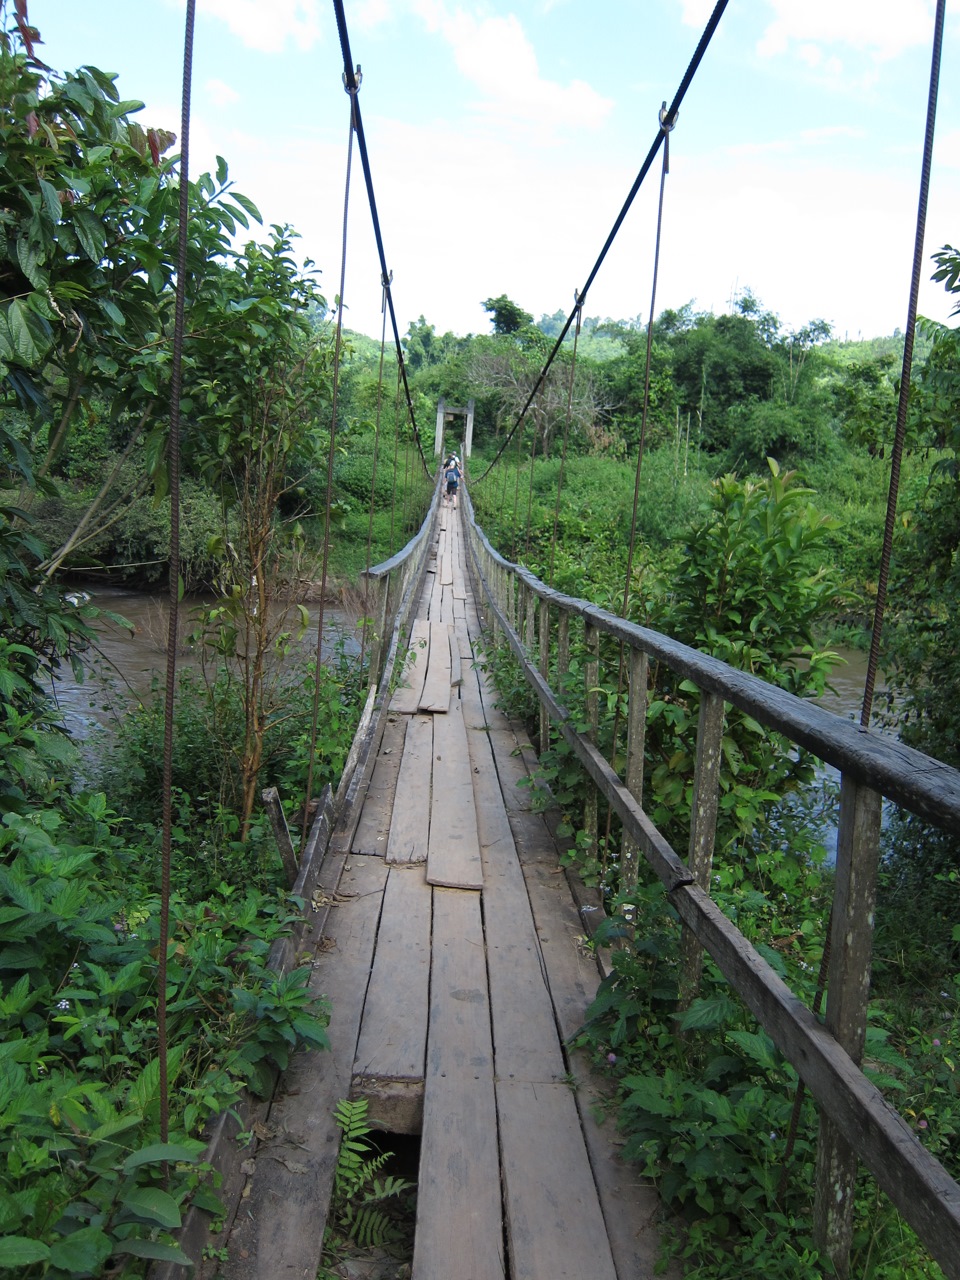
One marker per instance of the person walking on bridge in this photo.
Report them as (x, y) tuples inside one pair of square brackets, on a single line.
[(452, 474)]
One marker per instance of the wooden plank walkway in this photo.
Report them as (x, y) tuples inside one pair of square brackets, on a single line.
[(453, 964)]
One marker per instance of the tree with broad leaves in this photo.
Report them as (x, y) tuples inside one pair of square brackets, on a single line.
[(925, 596), (507, 316)]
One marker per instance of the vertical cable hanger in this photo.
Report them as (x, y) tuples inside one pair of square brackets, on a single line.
[(351, 85), (351, 80), (173, 620), (907, 368), (376, 455), (566, 431)]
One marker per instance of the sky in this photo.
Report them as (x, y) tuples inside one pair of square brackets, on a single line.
[(504, 136)]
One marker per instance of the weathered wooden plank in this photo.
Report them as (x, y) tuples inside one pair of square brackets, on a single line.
[(533, 839), (571, 969), (456, 668), (525, 1037), (373, 827), (407, 696), (278, 1232), (554, 1223), (281, 832), (435, 609), (408, 840), (459, 564), (393, 1035), (435, 695), (459, 1216), (454, 847), (475, 692), (526, 1043), (631, 1209), (512, 771)]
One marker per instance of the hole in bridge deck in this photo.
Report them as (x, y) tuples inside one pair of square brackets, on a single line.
[(369, 1236)]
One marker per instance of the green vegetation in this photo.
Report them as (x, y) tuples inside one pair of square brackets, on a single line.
[(369, 1209), (762, 566), (758, 519)]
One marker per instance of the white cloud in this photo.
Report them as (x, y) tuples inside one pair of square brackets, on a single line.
[(881, 28), (817, 239), (269, 27), (369, 13), (495, 55), (222, 94), (947, 149), (826, 132), (694, 13)]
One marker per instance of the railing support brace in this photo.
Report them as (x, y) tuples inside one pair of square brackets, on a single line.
[(636, 735), (703, 830), (848, 988), (591, 678)]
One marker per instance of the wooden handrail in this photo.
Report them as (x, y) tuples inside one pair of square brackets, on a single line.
[(857, 1121), (920, 783), (395, 583)]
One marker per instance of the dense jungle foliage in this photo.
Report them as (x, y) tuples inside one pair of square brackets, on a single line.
[(759, 514)]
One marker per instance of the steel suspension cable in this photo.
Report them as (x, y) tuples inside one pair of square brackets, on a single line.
[(666, 124), (503, 493), (352, 83), (331, 453), (173, 619), (670, 118), (885, 556), (515, 527), (566, 434), (373, 478), (396, 454), (907, 368), (526, 528)]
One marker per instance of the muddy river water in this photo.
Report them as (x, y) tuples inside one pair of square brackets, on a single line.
[(127, 661)]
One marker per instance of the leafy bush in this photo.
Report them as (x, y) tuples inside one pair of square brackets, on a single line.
[(206, 799), (81, 1177), (136, 545)]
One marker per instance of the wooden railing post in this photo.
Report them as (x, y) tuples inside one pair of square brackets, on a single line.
[(591, 678), (544, 627), (636, 735), (530, 629), (379, 638), (563, 651), (848, 989), (493, 577), (703, 830)]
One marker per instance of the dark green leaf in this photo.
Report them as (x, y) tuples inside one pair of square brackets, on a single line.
[(85, 1251), (158, 1152), (20, 1251), (154, 1205), (154, 1249)]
